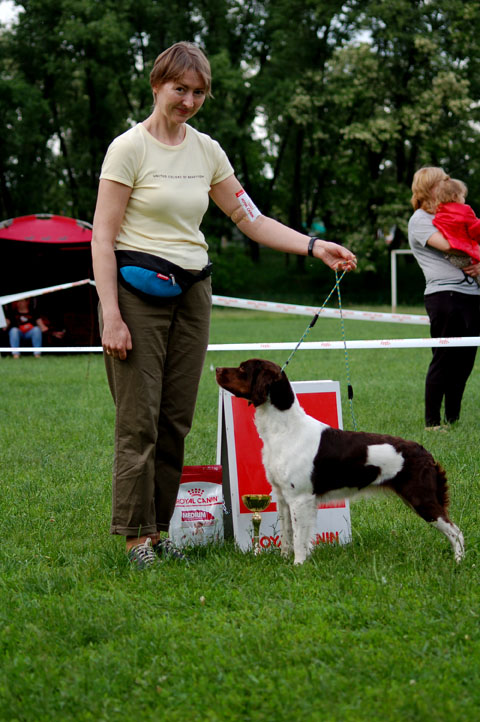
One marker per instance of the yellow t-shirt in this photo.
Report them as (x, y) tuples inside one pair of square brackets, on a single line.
[(170, 186)]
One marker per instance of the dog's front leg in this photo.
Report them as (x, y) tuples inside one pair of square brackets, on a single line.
[(285, 523), (303, 511)]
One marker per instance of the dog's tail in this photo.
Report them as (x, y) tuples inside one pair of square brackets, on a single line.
[(442, 487)]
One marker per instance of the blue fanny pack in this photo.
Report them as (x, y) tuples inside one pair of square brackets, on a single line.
[(150, 282), (154, 278)]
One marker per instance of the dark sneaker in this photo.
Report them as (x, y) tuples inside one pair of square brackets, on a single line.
[(142, 555), (165, 549)]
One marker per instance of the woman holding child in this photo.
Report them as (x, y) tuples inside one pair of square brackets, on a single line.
[(452, 297)]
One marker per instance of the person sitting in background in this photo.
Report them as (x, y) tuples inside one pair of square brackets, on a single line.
[(55, 329), (458, 223), (23, 323)]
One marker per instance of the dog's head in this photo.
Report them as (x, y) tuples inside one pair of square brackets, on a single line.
[(257, 381)]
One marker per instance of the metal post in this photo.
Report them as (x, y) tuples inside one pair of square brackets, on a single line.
[(393, 274)]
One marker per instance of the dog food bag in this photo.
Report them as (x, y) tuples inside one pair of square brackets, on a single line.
[(198, 515)]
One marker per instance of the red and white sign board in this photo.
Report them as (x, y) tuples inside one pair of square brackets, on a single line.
[(239, 449)]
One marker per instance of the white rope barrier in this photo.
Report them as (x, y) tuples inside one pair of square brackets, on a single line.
[(394, 343), (363, 344), (292, 308), (252, 305), (41, 291), (288, 308)]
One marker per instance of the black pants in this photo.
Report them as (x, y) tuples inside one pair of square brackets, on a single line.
[(451, 314)]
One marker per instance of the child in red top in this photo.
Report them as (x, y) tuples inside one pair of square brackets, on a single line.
[(458, 223)]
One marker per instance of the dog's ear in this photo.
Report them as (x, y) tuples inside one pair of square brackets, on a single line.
[(263, 382), (281, 393)]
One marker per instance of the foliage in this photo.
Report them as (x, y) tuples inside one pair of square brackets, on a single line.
[(384, 628), (351, 98), (277, 278)]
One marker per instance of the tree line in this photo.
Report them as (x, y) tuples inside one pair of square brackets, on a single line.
[(325, 108)]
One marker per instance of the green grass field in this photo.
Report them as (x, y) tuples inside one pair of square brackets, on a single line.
[(385, 628)]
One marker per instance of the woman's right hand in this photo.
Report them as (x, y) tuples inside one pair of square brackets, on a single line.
[(116, 338), (472, 270), (111, 204)]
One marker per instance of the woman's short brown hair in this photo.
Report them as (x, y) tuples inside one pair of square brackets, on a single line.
[(425, 182), (176, 61)]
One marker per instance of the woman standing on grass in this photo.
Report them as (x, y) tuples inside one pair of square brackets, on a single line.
[(452, 301), (154, 189)]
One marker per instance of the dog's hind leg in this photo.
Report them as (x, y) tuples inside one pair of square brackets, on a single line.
[(432, 505), (453, 534), (303, 511)]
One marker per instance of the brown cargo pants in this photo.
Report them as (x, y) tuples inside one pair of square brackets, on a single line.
[(155, 391)]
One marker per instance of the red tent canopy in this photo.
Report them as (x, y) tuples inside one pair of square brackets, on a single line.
[(45, 250), (46, 228)]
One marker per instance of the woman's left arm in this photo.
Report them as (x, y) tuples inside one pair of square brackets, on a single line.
[(269, 232)]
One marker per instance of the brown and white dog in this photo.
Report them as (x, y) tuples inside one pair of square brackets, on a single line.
[(308, 462)]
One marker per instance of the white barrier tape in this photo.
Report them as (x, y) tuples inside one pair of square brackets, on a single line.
[(311, 311), (334, 345), (250, 304), (40, 291), (311, 345), (51, 349)]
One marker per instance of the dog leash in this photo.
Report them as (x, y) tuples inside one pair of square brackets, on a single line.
[(312, 324), (314, 320), (347, 365)]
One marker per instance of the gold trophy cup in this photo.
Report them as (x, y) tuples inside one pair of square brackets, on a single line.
[(256, 503)]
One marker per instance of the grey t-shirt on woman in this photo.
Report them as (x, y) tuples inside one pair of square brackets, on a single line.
[(440, 274)]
